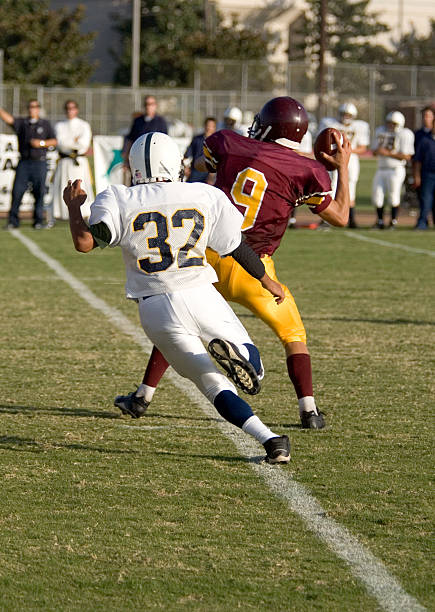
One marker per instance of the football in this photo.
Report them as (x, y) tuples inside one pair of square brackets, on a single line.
[(325, 143)]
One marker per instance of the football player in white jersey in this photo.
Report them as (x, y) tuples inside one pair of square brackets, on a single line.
[(358, 133), (163, 227), (393, 145)]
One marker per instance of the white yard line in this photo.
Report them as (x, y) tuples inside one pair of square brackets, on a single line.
[(391, 245), (379, 583)]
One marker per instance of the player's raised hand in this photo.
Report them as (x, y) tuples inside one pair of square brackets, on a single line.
[(275, 288), (343, 151), (73, 194)]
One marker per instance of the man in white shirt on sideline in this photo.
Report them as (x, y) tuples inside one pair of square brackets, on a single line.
[(163, 227), (74, 138), (393, 145)]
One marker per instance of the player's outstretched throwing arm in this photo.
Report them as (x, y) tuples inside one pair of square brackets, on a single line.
[(337, 213)]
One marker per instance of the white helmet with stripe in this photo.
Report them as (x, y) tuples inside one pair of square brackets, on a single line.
[(155, 157), (396, 118)]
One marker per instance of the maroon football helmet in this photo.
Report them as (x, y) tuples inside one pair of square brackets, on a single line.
[(281, 117)]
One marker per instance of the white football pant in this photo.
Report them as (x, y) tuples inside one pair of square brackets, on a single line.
[(177, 322), (387, 184)]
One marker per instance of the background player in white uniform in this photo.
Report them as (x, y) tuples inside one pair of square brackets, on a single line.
[(393, 145), (358, 133), (74, 138), (163, 227)]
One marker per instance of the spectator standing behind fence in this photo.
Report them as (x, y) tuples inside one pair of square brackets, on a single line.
[(195, 150), (74, 137), (35, 136), (424, 178), (149, 121), (358, 133), (393, 145)]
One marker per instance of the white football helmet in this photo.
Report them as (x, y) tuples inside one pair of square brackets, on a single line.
[(347, 109), (155, 156), (397, 118), (233, 113)]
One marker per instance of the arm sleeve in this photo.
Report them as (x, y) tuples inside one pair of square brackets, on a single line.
[(317, 192), (105, 209), (101, 234), (211, 151), (225, 223), (84, 139), (164, 127), (249, 260), (50, 131), (18, 122)]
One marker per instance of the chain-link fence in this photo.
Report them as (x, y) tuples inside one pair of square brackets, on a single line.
[(248, 85)]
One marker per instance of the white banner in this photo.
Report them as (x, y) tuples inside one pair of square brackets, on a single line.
[(9, 157)]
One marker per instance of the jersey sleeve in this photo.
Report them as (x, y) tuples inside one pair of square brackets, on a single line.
[(50, 133), (213, 148), (17, 124), (226, 222), (317, 193), (105, 210), (407, 142), (363, 133)]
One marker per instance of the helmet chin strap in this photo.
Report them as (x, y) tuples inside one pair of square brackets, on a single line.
[(265, 133)]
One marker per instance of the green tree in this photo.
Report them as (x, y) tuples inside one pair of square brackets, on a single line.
[(349, 30), (173, 33), (416, 50), (44, 46)]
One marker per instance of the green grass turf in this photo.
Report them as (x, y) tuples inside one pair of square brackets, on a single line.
[(99, 512)]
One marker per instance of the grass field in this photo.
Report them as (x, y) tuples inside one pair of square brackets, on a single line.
[(99, 512)]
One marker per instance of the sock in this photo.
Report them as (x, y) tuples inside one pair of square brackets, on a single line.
[(307, 404), (254, 358), (299, 370), (351, 214), (380, 213), (157, 366), (394, 212), (232, 408), (146, 392), (258, 429)]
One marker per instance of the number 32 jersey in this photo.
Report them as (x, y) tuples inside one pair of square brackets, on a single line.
[(163, 230), (266, 181)]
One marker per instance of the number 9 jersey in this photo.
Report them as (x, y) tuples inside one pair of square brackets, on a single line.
[(265, 181), (163, 229)]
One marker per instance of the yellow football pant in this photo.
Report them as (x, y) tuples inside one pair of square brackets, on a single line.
[(236, 285)]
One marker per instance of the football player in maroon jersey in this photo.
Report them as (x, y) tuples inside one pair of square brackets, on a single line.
[(266, 178)]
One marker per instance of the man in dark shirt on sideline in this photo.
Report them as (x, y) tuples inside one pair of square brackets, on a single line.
[(150, 121), (424, 178), (427, 122), (195, 150), (35, 135), (427, 119)]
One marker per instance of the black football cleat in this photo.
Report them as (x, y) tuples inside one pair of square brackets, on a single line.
[(278, 450), (132, 405), (312, 420), (240, 370)]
